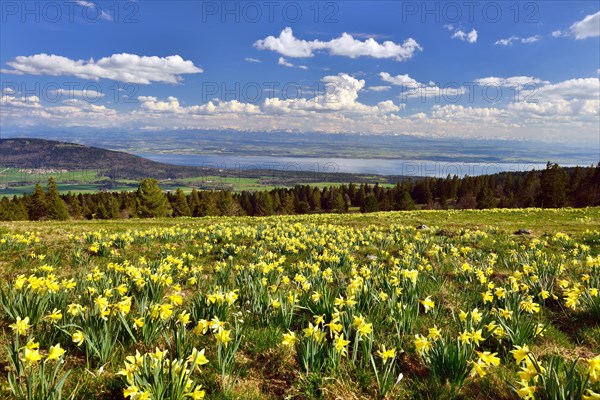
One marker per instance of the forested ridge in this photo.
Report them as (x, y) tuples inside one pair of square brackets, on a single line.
[(550, 188)]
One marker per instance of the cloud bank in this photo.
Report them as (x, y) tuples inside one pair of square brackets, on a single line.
[(122, 67)]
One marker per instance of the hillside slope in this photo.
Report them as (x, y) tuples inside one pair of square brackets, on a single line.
[(40, 153)]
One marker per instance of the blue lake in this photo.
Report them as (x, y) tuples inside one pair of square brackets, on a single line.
[(347, 165)]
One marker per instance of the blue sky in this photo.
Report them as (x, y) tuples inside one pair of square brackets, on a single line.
[(525, 70)]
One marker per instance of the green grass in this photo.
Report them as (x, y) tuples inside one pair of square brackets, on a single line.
[(37, 175)]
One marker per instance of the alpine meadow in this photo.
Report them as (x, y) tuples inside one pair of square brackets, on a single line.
[(330, 200)]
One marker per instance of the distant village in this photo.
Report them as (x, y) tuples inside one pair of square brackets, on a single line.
[(39, 171)]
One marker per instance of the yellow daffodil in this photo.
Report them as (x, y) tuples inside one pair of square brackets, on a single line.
[(520, 353), (386, 354), (55, 352), (428, 304), (197, 358), (131, 391), (594, 369), (289, 339), (341, 345), (421, 343), (78, 338), (434, 333), (54, 316), (31, 357), (477, 337), (21, 326), (223, 336), (591, 395), (488, 358), (197, 394)]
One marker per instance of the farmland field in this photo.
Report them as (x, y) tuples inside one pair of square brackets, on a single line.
[(325, 306), (15, 181)]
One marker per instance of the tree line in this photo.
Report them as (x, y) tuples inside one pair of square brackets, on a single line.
[(550, 188)]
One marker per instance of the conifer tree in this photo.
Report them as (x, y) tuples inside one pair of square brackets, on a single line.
[(404, 201), (264, 204), (75, 207), (194, 203), (370, 204), (38, 206), (224, 202), (180, 205), (151, 201), (553, 184), (57, 209), (208, 206), (486, 198)]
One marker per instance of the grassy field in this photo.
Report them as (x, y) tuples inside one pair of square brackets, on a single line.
[(18, 181), (361, 306)]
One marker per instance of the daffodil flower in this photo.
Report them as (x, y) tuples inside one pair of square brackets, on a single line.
[(78, 338), (21, 326), (55, 352)]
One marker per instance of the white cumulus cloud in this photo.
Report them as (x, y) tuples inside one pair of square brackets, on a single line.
[(415, 89), (346, 45), (399, 80), (286, 63), (341, 95), (587, 27), (172, 105), (379, 88), (122, 67), (513, 81), (470, 37), (515, 39), (283, 62), (84, 93)]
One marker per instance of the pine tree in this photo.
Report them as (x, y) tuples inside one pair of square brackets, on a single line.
[(208, 205), (277, 203), (246, 203), (326, 199), (108, 207), (370, 205), (194, 203), (224, 203), (14, 210), (553, 184), (128, 205), (339, 203), (38, 206), (529, 190), (75, 207), (405, 201), (264, 204), (422, 192), (575, 181), (466, 201), (316, 200), (151, 201), (288, 204), (180, 206), (57, 209), (360, 197), (486, 198)]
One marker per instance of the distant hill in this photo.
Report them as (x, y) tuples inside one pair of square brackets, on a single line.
[(40, 153), (50, 154)]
